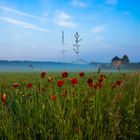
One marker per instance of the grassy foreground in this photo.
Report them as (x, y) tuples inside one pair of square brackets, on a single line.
[(69, 106)]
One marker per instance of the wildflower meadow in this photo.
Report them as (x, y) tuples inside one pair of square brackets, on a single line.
[(70, 106)]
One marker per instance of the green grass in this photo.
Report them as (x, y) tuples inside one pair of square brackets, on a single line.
[(85, 112)]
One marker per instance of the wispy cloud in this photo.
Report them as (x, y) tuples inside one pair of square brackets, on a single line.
[(63, 19), (78, 3), (25, 25), (112, 2), (6, 9), (98, 29), (16, 22)]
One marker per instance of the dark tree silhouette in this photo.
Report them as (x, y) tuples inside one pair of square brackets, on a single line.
[(125, 59)]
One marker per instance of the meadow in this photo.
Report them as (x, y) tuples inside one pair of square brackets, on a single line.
[(70, 106)]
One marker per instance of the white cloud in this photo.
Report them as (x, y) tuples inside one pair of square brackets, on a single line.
[(112, 2), (78, 3), (63, 19), (16, 22), (25, 25), (98, 29), (6, 9)]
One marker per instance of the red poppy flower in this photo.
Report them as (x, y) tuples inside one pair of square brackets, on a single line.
[(65, 74), (29, 85), (3, 98), (53, 97), (118, 83), (74, 81), (16, 85), (81, 74), (43, 74), (90, 82), (60, 83)]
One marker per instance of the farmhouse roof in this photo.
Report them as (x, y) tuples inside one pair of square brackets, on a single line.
[(116, 58)]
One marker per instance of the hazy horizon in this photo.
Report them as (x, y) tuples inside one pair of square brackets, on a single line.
[(31, 29), (74, 62)]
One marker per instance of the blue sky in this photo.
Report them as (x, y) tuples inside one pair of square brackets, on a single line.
[(31, 29)]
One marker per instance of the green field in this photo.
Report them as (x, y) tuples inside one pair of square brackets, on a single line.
[(90, 107)]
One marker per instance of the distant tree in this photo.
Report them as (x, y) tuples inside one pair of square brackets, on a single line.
[(125, 59), (77, 45)]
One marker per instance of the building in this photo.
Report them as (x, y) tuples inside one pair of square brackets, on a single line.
[(116, 61)]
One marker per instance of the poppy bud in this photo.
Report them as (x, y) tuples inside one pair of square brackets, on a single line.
[(3, 98)]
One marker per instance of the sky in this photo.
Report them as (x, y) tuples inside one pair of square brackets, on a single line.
[(32, 29)]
